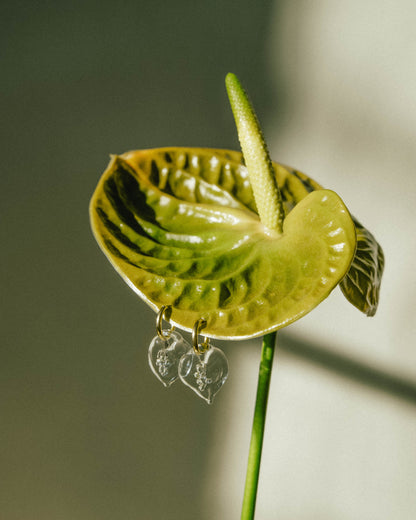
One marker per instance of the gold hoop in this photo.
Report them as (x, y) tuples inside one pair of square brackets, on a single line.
[(199, 348), (165, 313)]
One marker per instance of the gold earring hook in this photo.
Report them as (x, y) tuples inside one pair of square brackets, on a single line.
[(199, 348), (165, 313)]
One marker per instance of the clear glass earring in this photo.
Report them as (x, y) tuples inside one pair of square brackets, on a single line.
[(204, 368), (166, 349)]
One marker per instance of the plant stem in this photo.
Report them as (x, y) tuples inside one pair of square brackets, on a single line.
[(257, 433)]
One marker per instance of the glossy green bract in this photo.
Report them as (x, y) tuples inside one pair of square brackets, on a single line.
[(180, 226)]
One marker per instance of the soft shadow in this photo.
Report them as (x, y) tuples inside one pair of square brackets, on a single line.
[(349, 368)]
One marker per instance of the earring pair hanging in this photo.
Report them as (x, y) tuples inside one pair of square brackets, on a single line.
[(202, 367)]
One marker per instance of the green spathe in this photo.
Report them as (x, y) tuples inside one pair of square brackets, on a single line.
[(179, 225)]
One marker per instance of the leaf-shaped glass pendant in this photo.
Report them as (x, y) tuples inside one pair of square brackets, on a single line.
[(181, 227), (164, 356), (205, 373)]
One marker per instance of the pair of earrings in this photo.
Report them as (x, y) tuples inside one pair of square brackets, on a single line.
[(202, 367)]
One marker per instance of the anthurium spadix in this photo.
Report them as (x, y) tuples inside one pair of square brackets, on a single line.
[(182, 227)]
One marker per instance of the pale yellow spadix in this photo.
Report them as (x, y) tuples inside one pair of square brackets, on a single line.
[(256, 156)]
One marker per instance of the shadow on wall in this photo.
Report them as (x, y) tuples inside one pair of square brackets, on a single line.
[(350, 368)]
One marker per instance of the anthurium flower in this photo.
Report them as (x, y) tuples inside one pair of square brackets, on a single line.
[(203, 231)]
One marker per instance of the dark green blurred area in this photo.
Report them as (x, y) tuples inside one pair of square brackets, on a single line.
[(86, 430)]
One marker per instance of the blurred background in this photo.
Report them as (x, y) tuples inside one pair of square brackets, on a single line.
[(86, 430)]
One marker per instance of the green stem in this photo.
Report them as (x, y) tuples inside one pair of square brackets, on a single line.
[(257, 433)]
